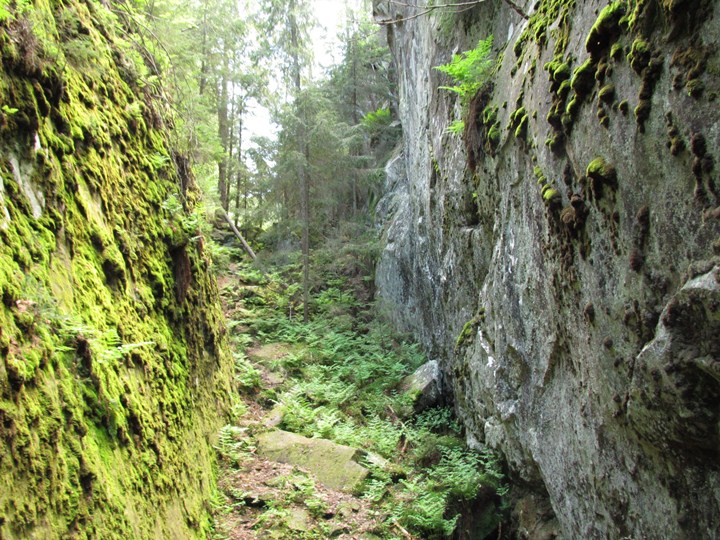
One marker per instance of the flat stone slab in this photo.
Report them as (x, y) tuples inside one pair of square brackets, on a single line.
[(334, 465), (269, 352)]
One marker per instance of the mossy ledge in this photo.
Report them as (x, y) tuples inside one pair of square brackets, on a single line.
[(113, 371)]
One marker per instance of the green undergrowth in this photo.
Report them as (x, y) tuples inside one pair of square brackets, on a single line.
[(342, 381)]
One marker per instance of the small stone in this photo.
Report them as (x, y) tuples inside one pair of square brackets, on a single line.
[(298, 520)]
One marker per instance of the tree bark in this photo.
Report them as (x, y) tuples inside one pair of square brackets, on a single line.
[(240, 173)]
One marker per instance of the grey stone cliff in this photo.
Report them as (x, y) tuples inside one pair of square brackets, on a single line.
[(561, 258)]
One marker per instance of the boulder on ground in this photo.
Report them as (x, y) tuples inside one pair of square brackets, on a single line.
[(334, 465), (424, 386)]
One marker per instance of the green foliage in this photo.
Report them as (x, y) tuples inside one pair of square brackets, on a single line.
[(5, 13), (158, 161), (10, 12), (246, 375), (459, 475), (9, 110), (342, 381), (233, 445), (456, 127), (375, 120), (470, 70), (184, 226)]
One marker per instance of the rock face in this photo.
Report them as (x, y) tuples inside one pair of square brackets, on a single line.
[(112, 359), (560, 258)]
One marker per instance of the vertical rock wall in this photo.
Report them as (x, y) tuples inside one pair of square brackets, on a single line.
[(113, 373), (561, 259)]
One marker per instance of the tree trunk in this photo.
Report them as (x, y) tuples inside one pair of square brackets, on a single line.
[(204, 50), (223, 132), (305, 149), (356, 120), (240, 237), (240, 172)]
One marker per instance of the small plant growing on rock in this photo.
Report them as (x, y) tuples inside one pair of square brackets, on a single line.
[(469, 70)]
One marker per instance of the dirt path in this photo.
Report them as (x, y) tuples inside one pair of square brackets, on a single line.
[(263, 499)]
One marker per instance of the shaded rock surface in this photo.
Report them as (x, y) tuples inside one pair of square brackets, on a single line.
[(424, 386), (592, 360), (334, 465)]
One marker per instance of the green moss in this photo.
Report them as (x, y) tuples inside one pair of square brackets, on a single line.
[(603, 117), (607, 93), (617, 51), (639, 55), (606, 29), (573, 107), (547, 13), (601, 175), (550, 195), (676, 144), (84, 284), (563, 90), (470, 328), (642, 112), (602, 71), (599, 168), (494, 135), (583, 79), (694, 88), (519, 122), (489, 115), (555, 143)]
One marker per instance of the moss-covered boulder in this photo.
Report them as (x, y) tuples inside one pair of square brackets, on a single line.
[(335, 466)]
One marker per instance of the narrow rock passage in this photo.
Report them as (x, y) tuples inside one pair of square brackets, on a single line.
[(333, 436), (270, 485)]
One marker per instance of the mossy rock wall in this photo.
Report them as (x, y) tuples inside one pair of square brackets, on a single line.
[(586, 231), (113, 371)]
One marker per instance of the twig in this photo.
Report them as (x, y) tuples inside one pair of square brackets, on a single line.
[(403, 531), (429, 9)]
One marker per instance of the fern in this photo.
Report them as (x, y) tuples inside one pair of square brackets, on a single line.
[(469, 70), (343, 388), (456, 127), (233, 444)]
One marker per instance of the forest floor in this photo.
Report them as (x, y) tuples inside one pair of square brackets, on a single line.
[(336, 378)]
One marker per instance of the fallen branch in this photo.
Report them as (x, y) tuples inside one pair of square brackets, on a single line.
[(239, 235), (429, 9), (403, 531)]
